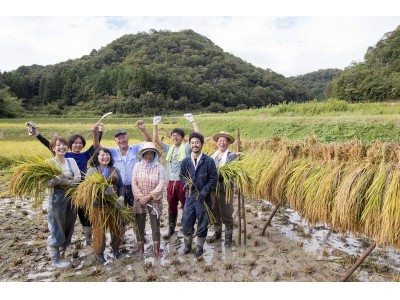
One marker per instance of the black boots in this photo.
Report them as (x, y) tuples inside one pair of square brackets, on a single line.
[(199, 246), (87, 232), (188, 244), (217, 234), (171, 225), (228, 235), (100, 258)]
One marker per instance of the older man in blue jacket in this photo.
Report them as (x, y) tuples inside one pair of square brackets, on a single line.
[(199, 175)]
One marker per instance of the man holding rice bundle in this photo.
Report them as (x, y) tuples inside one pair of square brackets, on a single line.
[(222, 208), (175, 154), (199, 175), (61, 216)]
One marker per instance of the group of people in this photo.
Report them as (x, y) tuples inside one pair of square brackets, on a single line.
[(139, 180)]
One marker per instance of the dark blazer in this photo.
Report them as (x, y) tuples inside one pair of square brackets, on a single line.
[(203, 179)]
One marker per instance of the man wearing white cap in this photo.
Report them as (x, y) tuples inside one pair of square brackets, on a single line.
[(125, 158)]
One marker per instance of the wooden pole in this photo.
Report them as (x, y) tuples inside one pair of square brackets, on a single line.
[(239, 198), (269, 219), (239, 223), (358, 262), (242, 196)]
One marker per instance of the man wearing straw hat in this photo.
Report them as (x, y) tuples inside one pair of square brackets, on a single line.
[(175, 154), (222, 208), (199, 175)]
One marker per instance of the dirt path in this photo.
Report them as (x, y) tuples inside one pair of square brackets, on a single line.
[(289, 251)]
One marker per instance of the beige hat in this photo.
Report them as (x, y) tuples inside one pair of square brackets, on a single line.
[(224, 134), (148, 146)]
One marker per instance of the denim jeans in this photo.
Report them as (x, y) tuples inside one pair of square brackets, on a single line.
[(60, 219)]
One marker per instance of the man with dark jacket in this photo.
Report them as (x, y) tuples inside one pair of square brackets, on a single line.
[(199, 175)]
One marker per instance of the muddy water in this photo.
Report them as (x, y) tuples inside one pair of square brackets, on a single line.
[(290, 250)]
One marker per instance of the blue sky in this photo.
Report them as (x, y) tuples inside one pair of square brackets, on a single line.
[(288, 44)]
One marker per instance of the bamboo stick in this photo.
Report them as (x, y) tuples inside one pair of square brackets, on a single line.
[(358, 262)]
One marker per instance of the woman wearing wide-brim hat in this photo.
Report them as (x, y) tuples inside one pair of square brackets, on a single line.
[(221, 208), (147, 187)]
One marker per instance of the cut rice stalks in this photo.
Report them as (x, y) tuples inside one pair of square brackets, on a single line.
[(30, 177), (91, 192)]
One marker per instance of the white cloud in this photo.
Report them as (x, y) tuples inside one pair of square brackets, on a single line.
[(287, 45)]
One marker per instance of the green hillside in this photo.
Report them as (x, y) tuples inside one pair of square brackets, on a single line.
[(148, 73), (377, 78)]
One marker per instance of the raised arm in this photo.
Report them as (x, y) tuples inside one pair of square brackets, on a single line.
[(95, 133), (190, 118), (34, 131), (156, 139), (140, 125)]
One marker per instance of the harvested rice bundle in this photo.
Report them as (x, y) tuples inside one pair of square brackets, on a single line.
[(29, 178), (91, 191), (374, 196), (351, 197), (389, 219), (234, 172), (297, 172)]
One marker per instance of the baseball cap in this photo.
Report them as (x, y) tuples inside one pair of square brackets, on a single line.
[(119, 131)]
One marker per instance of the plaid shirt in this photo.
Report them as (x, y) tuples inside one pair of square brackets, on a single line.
[(148, 179)]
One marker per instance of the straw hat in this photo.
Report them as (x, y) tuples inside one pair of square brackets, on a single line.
[(224, 134), (148, 146)]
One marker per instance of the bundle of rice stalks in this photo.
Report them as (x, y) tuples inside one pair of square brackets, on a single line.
[(351, 197), (92, 190), (233, 172), (374, 196), (29, 178), (192, 189), (389, 218)]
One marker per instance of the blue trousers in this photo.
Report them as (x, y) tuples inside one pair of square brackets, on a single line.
[(195, 210)]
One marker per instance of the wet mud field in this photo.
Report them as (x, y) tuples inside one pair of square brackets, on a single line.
[(289, 251)]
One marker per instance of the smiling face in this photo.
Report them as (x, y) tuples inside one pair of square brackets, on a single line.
[(77, 146), (176, 139), (148, 156), (122, 141), (195, 145), (103, 158), (60, 148), (222, 143)]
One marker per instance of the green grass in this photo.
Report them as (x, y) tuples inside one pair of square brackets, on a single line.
[(331, 121)]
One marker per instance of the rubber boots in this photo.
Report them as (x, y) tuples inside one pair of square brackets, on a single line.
[(116, 253), (171, 225), (217, 234), (87, 232), (141, 247), (187, 239), (56, 260), (199, 246), (100, 258), (63, 249), (156, 249), (228, 235)]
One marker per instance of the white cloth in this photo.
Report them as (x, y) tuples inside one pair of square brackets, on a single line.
[(223, 159)]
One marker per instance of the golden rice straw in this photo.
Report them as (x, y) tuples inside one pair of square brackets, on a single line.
[(30, 178), (91, 190)]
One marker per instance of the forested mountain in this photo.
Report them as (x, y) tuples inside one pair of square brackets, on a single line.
[(377, 78), (317, 82), (152, 73)]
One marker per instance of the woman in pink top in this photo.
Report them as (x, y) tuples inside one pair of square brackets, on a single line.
[(147, 187)]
